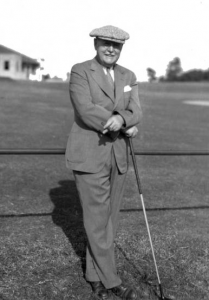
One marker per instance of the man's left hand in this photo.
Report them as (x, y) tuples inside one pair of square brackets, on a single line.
[(114, 123), (131, 132)]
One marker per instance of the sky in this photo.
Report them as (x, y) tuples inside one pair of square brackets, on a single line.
[(58, 31)]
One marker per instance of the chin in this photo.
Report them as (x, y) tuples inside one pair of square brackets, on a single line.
[(110, 62)]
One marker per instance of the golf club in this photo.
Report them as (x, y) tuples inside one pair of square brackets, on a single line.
[(146, 220)]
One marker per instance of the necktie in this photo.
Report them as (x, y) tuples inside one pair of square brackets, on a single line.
[(110, 80)]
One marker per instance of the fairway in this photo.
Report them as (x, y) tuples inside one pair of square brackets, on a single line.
[(42, 253)]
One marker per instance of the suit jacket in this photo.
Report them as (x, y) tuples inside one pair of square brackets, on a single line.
[(94, 103)]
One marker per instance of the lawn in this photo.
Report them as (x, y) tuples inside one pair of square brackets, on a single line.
[(42, 253)]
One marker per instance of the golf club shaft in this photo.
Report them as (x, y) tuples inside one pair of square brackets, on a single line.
[(143, 207)]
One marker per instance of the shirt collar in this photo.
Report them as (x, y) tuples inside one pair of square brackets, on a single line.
[(111, 72)]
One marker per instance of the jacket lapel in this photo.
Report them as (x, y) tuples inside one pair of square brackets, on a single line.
[(99, 76), (119, 84)]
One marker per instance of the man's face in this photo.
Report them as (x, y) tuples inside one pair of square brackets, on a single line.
[(108, 52)]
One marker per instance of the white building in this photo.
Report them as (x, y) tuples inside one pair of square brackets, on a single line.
[(16, 65)]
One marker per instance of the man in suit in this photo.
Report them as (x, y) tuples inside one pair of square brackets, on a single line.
[(106, 108)]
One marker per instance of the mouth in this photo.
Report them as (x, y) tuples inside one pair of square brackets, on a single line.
[(109, 55)]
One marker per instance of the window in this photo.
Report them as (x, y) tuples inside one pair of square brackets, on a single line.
[(6, 65)]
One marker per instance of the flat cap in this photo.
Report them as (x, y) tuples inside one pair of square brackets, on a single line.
[(110, 33)]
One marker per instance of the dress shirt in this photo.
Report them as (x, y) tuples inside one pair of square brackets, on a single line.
[(111, 72)]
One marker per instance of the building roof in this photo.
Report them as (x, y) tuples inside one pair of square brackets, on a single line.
[(25, 59)]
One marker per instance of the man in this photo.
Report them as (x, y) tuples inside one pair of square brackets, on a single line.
[(106, 106)]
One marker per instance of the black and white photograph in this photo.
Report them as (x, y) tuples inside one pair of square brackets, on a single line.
[(104, 150)]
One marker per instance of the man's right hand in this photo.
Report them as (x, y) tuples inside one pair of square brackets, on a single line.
[(114, 123), (131, 132)]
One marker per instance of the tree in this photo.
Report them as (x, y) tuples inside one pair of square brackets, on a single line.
[(195, 75), (45, 77), (174, 69), (151, 74)]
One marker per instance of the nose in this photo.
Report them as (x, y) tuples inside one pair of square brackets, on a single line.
[(110, 48)]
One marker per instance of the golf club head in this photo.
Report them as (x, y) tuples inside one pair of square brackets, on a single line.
[(164, 298)]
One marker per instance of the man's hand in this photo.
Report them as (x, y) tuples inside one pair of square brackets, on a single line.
[(114, 123), (131, 132)]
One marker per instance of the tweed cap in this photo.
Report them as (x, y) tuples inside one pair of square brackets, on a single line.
[(110, 33)]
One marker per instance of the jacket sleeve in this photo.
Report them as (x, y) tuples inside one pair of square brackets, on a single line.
[(93, 115), (132, 114)]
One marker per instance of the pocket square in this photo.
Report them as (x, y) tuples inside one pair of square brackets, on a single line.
[(127, 88)]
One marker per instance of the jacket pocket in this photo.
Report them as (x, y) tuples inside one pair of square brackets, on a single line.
[(77, 147)]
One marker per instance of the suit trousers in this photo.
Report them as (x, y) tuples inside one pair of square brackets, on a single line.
[(101, 195)]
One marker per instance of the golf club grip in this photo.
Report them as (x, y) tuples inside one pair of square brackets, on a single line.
[(135, 166)]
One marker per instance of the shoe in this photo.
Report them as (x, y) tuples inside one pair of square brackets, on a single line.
[(124, 292), (99, 291)]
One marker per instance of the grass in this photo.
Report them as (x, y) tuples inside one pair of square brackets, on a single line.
[(42, 253)]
